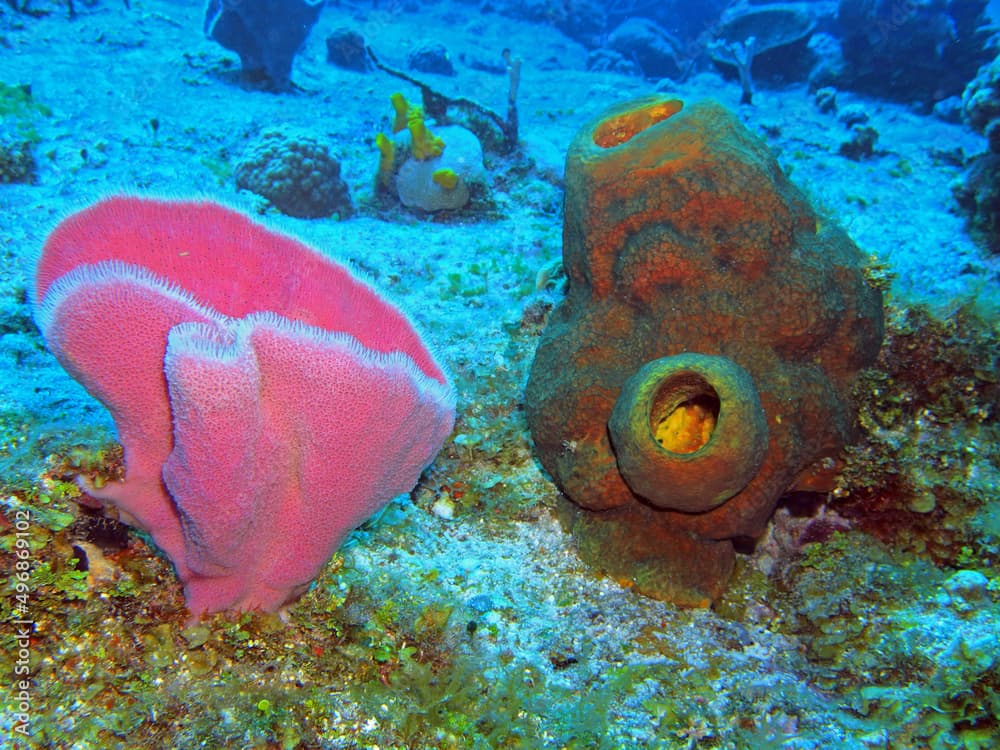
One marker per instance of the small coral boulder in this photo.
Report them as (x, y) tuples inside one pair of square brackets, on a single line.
[(297, 174)]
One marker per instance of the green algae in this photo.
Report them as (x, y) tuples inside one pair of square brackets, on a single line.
[(881, 635), (924, 474), (19, 107), (19, 115)]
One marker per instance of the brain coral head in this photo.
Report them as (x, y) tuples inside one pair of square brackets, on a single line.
[(296, 173)]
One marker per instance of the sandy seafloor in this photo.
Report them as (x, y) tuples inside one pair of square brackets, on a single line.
[(594, 665)]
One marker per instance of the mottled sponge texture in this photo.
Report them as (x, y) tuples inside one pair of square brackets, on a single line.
[(702, 362), (267, 400)]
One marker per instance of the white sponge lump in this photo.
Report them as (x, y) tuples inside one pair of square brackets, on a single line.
[(462, 154)]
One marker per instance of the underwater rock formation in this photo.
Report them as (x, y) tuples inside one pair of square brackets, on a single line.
[(703, 357), (266, 34), (345, 48), (657, 54), (977, 194), (431, 57), (918, 50), (981, 101), (267, 400), (978, 191), (17, 160)]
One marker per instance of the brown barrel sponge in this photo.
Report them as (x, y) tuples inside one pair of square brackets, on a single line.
[(703, 356)]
